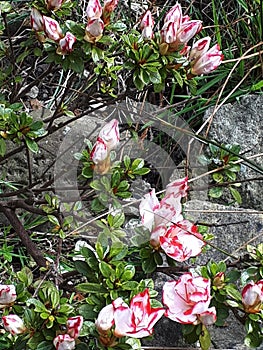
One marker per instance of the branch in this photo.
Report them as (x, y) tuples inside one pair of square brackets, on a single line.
[(31, 247)]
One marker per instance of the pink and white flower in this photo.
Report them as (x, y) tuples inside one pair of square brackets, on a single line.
[(66, 44), (147, 24), (54, 4), (36, 20), (94, 9), (105, 320), (138, 319), (252, 297), (169, 32), (182, 241), (94, 30), (199, 48), (74, 325), (52, 28), (187, 31), (13, 324), (99, 151), (7, 294), (149, 204), (178, 187), (64, 342), (174, 15), (187, 300), (207, 61), (110, 134)]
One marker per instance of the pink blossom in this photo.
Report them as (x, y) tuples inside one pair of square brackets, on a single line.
[(52, 28), (252, 297), (99, 151), (174, 15), (208, 61), (105, 320), (54, 4), (169, 32), (169, 211), (147, 24), (182, 241), (13, 324), (178, 187), (199, 48), (138, 319), (66, 43), (149, 204), (110, 134), (64, 342), (94, 9), (36, 19), (188, 30), (74, 325), (7, 294), (187, 300), (94, 30)]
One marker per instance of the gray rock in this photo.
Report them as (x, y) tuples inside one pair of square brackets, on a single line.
[(241, 123)]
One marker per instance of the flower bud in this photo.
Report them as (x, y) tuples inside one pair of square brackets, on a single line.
[(174, 15), (52, 28), (147, 24), (105, 320), (188, 30), (94, 9), (74, 325), (252, 297), (66, 44), (99, 151), (108, 8), (7, 294), (169, 32), (110, 134), (36, 20), (219, 280), (53, 5), (13, 324), (199, 48), (94, 30), (208, 61), (64, 342)]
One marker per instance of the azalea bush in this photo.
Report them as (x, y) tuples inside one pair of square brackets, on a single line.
[(99, 293)]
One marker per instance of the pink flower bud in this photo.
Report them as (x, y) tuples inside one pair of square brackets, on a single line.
[(54, 5), (99, 151), (94, 9), (252, 297), (74, 325), (52, 28), (199, 48), (174, 15), (110, 5), (105, 320), (188, 30), (219, 280), (64, 342), (208, 317), (36, 19), (66, 44), (169, 32), (7, 294), (207, 62), (110, 134), (94, 30), (13, 324), (147, 24)]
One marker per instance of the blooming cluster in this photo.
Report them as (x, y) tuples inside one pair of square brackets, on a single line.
[(118, 320), (98, 17), (175, 34), (187, 300), (67, 341), (107, 140), (178, 238), (52, 30)]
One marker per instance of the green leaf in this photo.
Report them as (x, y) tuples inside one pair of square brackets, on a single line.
[(215, 192), (87, 172), (25, 276), (91, 288), (236, 195), (53, 220), (45, 345), (106, 270), (87, 311), (128, 273), (5, 7), (39, 306), (32, 145)]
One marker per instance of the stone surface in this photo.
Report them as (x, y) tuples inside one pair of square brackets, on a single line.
[(242, 123)]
